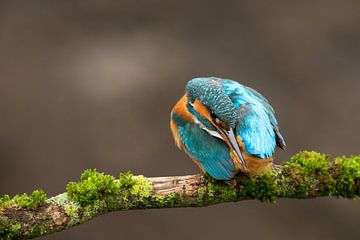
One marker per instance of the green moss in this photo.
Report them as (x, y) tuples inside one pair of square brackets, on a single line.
[(138, 186), (347, 176), (92, 186), (221, 191), (301, 176), (305, 173), (263, 187), (310, 162), (157, 201), (25, 201), (38, 230), (214, 191), (126, 180), (5, 199), (201, 193), (134, 191), (98, 191), (33, 201), (71, 210), (9, 230), (172, 200)]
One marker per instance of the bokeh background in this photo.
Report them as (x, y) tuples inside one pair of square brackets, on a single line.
[(90, 84)]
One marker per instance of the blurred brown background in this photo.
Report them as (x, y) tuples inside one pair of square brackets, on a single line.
[(90, 84)]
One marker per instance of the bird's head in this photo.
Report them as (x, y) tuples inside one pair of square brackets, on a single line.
[(209, 103), (213, 110)]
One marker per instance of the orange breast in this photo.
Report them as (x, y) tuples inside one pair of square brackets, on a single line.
[(181, 110), (175, 133)]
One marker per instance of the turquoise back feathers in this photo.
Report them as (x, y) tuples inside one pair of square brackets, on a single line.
[(214, 111)]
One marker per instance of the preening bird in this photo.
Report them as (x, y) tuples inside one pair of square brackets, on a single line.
[(225, 127)]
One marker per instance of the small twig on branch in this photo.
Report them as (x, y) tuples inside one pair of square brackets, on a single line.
[(306, 175)]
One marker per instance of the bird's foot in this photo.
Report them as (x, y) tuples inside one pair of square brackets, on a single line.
[(231, 182), (277, 167)]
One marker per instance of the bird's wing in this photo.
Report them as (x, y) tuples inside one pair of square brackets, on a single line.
[(256, 122), (210, 152), (280, 142), (255, 130)]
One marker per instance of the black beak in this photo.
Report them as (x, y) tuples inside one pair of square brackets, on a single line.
[(230, 137)]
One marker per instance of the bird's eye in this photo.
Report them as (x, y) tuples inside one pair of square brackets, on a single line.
[(213, 116), (218, 121)]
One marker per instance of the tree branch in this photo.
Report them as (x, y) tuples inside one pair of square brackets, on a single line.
[(306, 175)]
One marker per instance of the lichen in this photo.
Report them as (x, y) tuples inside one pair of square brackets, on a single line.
[(60, 199), (71, 208), (97, 207)]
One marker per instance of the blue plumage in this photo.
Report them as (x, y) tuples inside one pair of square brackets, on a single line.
[(212, 153), (215, 108), (255, 119)]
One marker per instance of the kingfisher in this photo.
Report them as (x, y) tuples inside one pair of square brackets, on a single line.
[(225, 127)]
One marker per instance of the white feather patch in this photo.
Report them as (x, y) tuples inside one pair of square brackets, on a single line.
[(211, 132)]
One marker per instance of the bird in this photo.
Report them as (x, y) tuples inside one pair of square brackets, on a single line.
[(225, 127)]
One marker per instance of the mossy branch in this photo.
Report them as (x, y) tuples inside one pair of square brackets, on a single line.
[(306, 175)]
